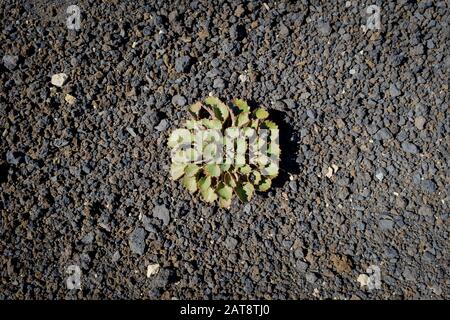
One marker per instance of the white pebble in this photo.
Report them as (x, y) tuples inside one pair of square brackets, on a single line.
[(363, 280), (152, 269), (59, 79)]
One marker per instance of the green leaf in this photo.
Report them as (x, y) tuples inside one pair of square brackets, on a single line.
[(224, 191), (191, 169), (209, 195), (225, 167), (245, 191), (225, 203), (195, 108), (242, 119), (212, 170), (190, 155), (190, 183), (274, 149), (262, 160), (269, 124), (177, 170), (210, 151), (256, 176), (212, 123), (260, 113), (239, 160), (245, 169), (173, 140), (229, 180), (178, 137), (179, 157), (241, 146), (265, 185), (212, 135), (204, 183), (271, 170), (232, 132), (242, 105), (219, 108), (193, 124), (249, 189)]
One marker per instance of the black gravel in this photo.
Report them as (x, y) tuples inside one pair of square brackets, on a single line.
[(365, 138)]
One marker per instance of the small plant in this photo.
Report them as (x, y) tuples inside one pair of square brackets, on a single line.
[(251, 151)]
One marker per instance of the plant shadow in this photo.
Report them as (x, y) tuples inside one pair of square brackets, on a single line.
[(289, 142)]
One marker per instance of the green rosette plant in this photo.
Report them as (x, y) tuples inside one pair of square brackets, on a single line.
[(225, 150)]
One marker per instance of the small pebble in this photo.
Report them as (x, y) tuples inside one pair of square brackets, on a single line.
[(178, 100), (59, 79), (409, 147), (10, 61), (152, 269)]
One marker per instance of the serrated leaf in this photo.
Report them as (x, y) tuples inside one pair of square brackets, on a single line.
[(224, 191), (180, 157), (177, 170), (209, 195), (270, 170), (255, 177), (187, 156), (249, 189), (212, 170), (265, 185), (204, 183), (190, 183), (191, 169), (269, 124), (173, 140), (193, 124), (242, 105), (241, 145), (262, 160), (212, 123), (245, 169), (274, 149), (245, 191), (219, 108), (210, 152), (239, 160), (178, 137), (232, 132), (212, 135), (229, 180), (242, 119), (195, 108), (225, 203), (260, 113)]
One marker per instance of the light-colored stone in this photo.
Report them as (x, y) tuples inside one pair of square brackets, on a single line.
[(335, 168), (70, 99), (243, 78), (379, 175), (59, 79), (329, 173), (419, 122), (152, 269), (363, 280)]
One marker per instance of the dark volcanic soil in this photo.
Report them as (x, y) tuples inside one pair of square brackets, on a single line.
[(84, 167)]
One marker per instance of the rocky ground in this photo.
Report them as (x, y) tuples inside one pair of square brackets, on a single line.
[(84, 162)]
